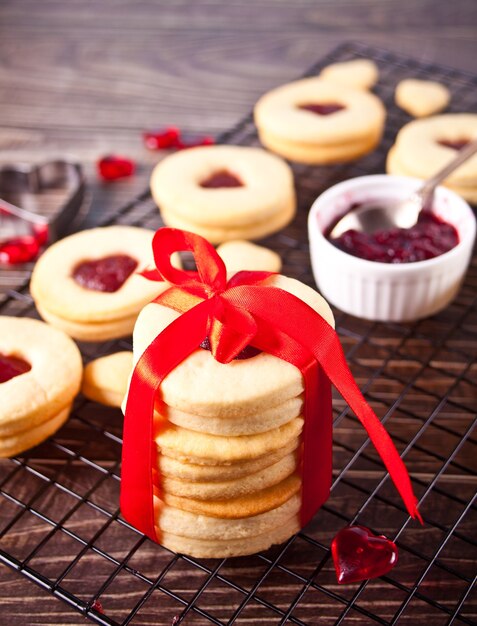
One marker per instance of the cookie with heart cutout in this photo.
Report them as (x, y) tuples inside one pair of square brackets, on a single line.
[(318, 121), (89, 285), (425, 146), (224, 192), (40, 374)]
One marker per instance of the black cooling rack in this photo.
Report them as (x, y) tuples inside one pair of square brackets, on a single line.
[(59, 520)]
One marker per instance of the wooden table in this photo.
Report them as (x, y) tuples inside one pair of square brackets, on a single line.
[(85, 79)]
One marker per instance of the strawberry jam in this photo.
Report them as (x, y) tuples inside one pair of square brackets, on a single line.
[(322, 109), (247, 353), (11, 366), (107, 274), (429, 238), (455, 144), (221, 179)]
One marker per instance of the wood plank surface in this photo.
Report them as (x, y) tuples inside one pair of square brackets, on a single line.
[(81, 79)]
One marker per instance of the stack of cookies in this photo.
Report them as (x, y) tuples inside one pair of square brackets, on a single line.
[(425, 146), (224, 192), (40, 375), (229, 443)]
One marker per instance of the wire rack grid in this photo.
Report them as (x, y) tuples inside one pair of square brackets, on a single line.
[(60, 525)]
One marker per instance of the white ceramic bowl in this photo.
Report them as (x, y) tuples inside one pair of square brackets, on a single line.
[(382, 291)]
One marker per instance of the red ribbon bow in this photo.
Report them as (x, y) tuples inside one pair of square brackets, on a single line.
[(234, 314)]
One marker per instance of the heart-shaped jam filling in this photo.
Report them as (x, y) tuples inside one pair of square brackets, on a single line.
[(247, 353), (455, 144), (107, 274), (359, 554), (220, 179), (11, 366), (325, 108)]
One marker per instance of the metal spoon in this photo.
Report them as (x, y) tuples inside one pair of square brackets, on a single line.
[(370, 217)]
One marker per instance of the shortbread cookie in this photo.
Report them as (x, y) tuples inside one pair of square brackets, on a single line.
[(318, 121), (89, 283), (242, 506), (421, 98), (238, 486), (105, 380), (174, 468), (423, 147), (219, 549), (224, 192), (21, 441), (193, 525), (243, 255), (256, 230), (358, 73), (393, 166), (193, 447), (265, 420), (40, 374), (246, 386)]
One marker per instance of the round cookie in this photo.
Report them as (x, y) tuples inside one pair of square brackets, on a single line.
[(419, 151), (196, 526), (358, 73), (218, 190), (393, 166), (19, 442), (421, 98), (239, 486), (243, 506), (219, 549), (264, 420), (243, 255), (192, 447), (33, 404), (256, 230), (105, 380), (174, 468), (246, 386), (350, 121), (88, 283)]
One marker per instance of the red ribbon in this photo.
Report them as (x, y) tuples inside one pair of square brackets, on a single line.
[(234, 314)]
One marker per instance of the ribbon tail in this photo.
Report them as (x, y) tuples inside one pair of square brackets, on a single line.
[(139, 457), (305, 326), (337, 370)]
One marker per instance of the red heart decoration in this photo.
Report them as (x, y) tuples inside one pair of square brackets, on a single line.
[(358, 554)]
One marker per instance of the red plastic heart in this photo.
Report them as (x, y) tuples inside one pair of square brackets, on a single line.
[(113, 167), (358, 554), (21, 239)]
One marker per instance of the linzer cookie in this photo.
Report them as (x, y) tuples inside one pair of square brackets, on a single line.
[(224, 192), (425, 146), (318, 121), (88, 284), (228, 398), (40, 374)]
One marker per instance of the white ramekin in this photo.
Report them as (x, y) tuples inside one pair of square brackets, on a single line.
[(382, 291)]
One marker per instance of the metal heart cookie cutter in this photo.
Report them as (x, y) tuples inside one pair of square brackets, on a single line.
[(39, 202)]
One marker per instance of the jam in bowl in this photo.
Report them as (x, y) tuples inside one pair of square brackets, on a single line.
[(431, 236), (398, 275)]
